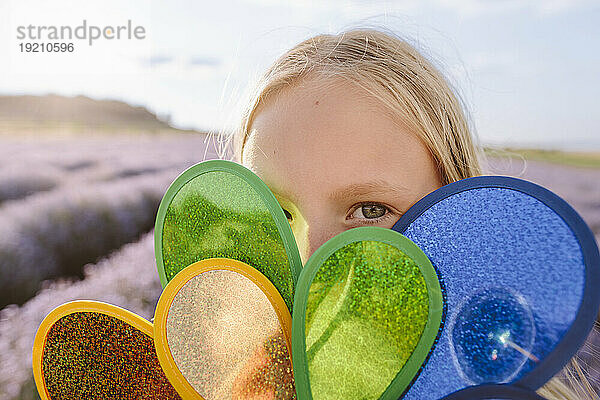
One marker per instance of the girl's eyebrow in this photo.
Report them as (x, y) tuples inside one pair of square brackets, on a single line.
[(374, 187), (368, 188)]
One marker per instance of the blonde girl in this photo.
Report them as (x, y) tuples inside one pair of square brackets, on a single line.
[(351, 130)]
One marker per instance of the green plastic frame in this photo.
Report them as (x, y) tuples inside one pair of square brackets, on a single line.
[(434, 319), (253, 180)]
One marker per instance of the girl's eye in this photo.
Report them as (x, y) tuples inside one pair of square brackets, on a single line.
[(370, 211), (288, 215)]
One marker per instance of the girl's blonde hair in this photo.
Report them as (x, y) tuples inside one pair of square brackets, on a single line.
[(413, 91), (394, 72)]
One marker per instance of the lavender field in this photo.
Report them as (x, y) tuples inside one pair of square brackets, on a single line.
[(76, 218)]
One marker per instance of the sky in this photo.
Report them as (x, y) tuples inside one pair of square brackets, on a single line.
[(528, 71)]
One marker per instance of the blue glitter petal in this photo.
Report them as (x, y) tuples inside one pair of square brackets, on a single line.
[(492, 336)]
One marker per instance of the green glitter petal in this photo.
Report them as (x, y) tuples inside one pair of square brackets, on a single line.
[(221, 209), (90, 355), (366, 314)]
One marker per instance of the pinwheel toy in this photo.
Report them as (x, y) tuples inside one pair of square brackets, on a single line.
[(482, 290)]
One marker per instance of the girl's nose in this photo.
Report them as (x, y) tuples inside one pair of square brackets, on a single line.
[(313, 237)]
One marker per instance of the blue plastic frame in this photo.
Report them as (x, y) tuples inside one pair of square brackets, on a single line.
[(590, 303), (494, 392)]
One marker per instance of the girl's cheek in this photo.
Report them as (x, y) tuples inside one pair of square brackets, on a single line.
[(267, 372), (248, 384), (300, 232)]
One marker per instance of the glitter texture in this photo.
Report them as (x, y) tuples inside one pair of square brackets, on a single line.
[(95, 356), (366, 311), (492, 336), (219, 214), (226, 339), (485, 238)]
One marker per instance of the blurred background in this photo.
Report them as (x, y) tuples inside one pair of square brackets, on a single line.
[(90, 140)]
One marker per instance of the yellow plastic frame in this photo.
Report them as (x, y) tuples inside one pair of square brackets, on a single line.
[(71, 308), (183, 387)]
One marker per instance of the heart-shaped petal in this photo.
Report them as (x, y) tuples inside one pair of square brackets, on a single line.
[(221, 209), (94, 350), (367, 310), (521, 271), (222, 331)]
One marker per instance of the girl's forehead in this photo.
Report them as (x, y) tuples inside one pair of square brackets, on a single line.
[(307, 139)]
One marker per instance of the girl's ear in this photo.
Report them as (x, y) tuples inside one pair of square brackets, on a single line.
[(89, 349), (521, 271), (367, 311), (221, 209), (222, 331)]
